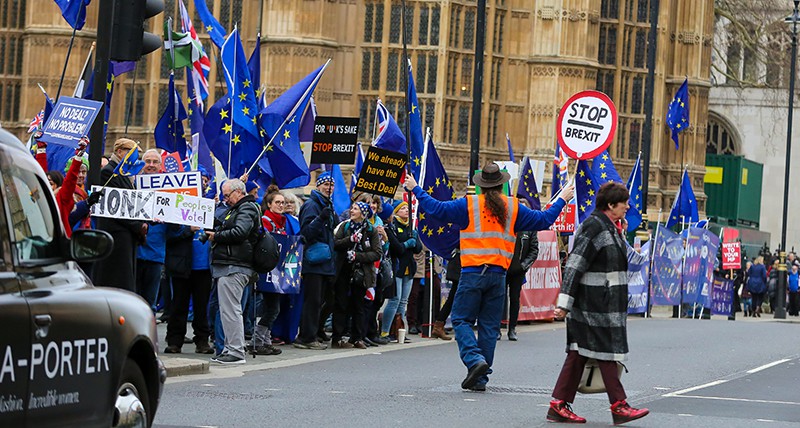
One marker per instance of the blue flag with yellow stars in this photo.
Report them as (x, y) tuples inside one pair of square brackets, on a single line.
[(212, 26), (527, 186), (285, 278), (73, 11), (440, 237), (604, 171), (244, 109), (634, 214), (280, 121), (340, 196), (234, 148), (254, 67), (415, 127), (585, 190), (685, 207), (169, 129), (678, 112)]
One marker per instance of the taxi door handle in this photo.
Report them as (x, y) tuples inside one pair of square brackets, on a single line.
[(42, 320)]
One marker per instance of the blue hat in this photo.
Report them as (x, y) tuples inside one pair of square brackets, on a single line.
[(396, 205), (366, 210), (249, 186), (323, 178), (203, 171)]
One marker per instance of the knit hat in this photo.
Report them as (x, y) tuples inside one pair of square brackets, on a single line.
[(397, 205), (249, 186), (366, 210), (84, 160), (323, 178), (203, 171)]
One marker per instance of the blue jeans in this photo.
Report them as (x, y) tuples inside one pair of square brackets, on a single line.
[(148, 281), (398, 303), (478, 297)]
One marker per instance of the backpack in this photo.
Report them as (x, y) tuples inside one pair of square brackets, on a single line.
[(266, 254)]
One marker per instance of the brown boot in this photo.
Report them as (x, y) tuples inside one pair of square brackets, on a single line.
[(438, 331)]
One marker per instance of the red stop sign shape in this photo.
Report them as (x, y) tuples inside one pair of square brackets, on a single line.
[(586, 124)]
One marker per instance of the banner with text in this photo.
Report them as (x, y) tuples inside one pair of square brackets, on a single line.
[(667, 260), (187, 183), (381, 172), (542, 281), (335, 140), (71, 119), (565, 223), (698, 267), (722, 296), (148, 205), (638, 270), (285, 278), (731, 255)]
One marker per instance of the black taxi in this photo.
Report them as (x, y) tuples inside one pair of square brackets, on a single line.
[(71, 354)]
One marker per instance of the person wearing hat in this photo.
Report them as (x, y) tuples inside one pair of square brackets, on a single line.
[(358, 247), (489, 223), (317, 222), (119, 269)]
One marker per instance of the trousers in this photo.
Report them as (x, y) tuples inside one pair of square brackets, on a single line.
[(570, 378)]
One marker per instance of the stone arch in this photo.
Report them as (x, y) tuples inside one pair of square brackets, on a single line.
[(722, 137)]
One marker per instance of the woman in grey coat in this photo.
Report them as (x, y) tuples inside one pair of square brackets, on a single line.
[(594, 299)]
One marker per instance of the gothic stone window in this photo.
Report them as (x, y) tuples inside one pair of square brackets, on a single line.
[(720, 138)]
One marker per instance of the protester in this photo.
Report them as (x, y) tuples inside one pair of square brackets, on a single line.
[(119, 269), (453, 274), (403, 244), (358, 247), (414, 307), (489, 223), (594, 299), (151, 253), (56, 179), (526, 250), (794, 298), (317, 222), (373, 306), (291, 210), (757, 284), (772, 284), (232, 265)]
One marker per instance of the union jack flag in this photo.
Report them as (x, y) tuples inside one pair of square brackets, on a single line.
[(202, 66), (37, 122), (389, 135)]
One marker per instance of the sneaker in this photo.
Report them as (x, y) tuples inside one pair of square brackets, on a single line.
[(341, 344), (314, 346), (560, 411), (380, 340), (413, 330), (227, 359), (359, 344), (622, 412), (512, 335), (172, 350), (264, 350), (479, 387), (203, 348)]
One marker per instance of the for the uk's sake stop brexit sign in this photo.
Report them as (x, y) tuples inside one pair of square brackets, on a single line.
[(586, 124), (70, 120)]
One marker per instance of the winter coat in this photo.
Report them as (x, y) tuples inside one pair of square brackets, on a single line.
[(234, 238), (179, 254), (526, 251), (314, 227), (368, 251), (402, 258), (757, 279), (594, 291)]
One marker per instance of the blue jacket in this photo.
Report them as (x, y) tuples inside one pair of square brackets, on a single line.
[(794, 281), (316, 228), (155, 246), (757, 279), (201, 252)]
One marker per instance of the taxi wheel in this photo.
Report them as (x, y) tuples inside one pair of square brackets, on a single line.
[(133, 404)]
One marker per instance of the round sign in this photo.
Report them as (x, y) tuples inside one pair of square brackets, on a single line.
[(586, 124)]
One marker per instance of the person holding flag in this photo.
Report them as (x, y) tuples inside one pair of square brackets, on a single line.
[(489, 223)]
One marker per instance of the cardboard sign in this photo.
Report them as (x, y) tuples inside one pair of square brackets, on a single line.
[(565, 223), (381, 172), (335, 140), (128, 204), (543, 281), (187, 183), (71, 119), (182, 209), (731, 255), (586, 124)]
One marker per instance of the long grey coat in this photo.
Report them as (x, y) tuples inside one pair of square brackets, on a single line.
[(595, 291)]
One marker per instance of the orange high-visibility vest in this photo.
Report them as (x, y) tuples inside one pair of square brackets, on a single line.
[(484, 241)]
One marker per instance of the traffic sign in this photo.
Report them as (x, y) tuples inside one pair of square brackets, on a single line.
[(586, 124)]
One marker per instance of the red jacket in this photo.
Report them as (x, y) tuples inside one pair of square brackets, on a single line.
[(64, 195)]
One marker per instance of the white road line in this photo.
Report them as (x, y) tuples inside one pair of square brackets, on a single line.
[(694, 388), (685, 414), (743, 400), (766, 366)]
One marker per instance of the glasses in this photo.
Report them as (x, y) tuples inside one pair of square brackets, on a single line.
[(279, 202), (228, 195)]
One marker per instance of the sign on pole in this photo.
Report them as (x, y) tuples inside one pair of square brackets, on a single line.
[(586, 124), (565, 223), (335, 140), (543, 281), (381, 172), (731, 255), (187, 183), (71, 119)]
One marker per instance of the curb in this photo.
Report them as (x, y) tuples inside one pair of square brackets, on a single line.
[(184, 366)]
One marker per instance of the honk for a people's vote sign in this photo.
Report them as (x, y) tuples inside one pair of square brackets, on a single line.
[(149, 205)]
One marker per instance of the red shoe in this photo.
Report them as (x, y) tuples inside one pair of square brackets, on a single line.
[(622, 412), (560, 411)]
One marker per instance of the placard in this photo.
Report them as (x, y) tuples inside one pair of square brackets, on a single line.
[(182, 209), (722, 296), (335, 140), (586, 124), (381, 172), (565, 223), (128, 204), (542, 281), (71, 119), (187, 183), (731, 255)]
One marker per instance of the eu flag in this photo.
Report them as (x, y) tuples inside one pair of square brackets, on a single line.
[(358, 166), (678, 112), (130, 164), (74, 12), (560, 170), (169, 130), (440, 237), (196, 122), (389, 135), (685, 207), (415, 127), (634, 215), (527, 186), (244, 109), (254, 66), (212, 26), (604, 171), (223, 136), (585, 190), (340, 197), (510, 149), (280, 121)]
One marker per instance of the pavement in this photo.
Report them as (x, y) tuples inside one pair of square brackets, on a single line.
[(188, 363)]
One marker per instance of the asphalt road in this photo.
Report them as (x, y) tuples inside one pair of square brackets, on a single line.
[(687, 372)]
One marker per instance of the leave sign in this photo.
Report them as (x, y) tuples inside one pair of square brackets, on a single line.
[(334, 140), (70, 120), (731, 255), (586, 124), (187, 183), (381, 172)]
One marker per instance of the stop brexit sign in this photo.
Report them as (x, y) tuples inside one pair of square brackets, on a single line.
[(586, 124)]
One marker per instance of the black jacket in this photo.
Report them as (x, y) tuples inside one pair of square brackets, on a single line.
[(234, 238), (526, 250), (402, 257), (178, 260), (315, 227), (365, 257)]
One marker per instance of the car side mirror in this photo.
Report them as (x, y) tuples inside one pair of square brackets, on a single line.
[(89, 245)]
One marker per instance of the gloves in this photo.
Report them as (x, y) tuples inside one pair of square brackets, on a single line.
[(94, 197), (351, 256), (82, 146), (41, 146), (356, 237), (411, 243), (326, 213)]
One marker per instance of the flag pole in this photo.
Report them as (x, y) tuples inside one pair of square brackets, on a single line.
[(407, 63), (130, 99), (66, 61), (232, 101), (173, 137), (83, 70), (288, 117), (635, 170)]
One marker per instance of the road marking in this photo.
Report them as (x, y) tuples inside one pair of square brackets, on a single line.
[(272, 389), (405, 395), (338, 392), (695, 388), (764, 420), (743, 400), (470, 399), (207, 384), (685, 414), (661, 388), (766, 366)]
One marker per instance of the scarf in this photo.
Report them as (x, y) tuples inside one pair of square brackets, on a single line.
[(274, 222)]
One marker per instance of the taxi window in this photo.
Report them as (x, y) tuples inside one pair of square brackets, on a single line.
[(31, 218)]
